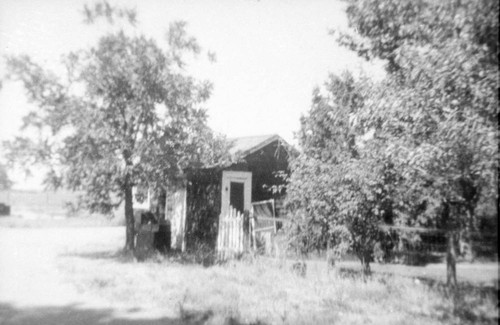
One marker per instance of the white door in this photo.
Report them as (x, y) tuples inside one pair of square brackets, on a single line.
[(236, 191)]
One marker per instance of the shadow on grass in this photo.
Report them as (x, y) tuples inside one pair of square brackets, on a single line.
[(468, 300), (73, 315), (119, 256)]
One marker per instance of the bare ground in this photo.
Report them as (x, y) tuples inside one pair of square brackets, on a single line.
[(34, 290)]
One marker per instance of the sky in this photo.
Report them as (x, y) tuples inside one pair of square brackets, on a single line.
[(270, 55)]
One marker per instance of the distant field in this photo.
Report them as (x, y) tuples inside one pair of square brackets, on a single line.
[(49, 208), (40, 204), (47, 203)]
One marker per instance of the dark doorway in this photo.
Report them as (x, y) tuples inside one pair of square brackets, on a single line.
[(236, 196)]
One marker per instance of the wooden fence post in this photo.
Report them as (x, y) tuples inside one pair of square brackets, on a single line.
[(246, 234), (252, 223), (242, 233), (234, 243)]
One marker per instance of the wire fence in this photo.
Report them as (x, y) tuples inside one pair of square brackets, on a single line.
[(418, 245)]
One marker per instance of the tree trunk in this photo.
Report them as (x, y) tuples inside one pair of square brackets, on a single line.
[(451, 260), (471, 216), (365, 263), (129, 217), (451, 251), (330, 257)]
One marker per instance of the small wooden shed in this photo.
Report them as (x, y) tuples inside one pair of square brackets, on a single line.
[(194, 210)]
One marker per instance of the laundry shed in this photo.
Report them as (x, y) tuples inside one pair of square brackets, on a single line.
[(195, 209)]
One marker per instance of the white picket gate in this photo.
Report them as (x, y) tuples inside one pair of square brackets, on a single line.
[(232, 238), (238, 232)]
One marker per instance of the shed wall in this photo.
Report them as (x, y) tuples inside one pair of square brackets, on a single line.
[(203, 208)]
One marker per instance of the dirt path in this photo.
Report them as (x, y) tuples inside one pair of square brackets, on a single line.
[(32, 290)]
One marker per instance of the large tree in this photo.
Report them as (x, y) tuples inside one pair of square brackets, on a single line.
[(340, 187), (438, 107), (125, 113)]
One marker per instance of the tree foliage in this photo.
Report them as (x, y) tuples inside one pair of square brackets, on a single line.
[(340, 189), (430, 128), (438, 107), (125, 113)]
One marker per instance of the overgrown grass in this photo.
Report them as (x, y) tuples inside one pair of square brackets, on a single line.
[(264, 291)]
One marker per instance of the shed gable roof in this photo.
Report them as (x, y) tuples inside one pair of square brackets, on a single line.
[(244, 146)]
